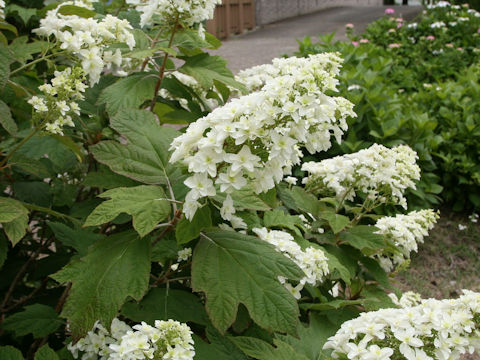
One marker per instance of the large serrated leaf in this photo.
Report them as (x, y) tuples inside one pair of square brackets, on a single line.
[(245, 199), (14, 218), (10, 209), (232, 268), (76, 10), (337, 222), (129, 92), (277, 218), (205, 69), (116, 267), (364, 238), (146, 204), (38, 320), (145, 157), (6, 119)]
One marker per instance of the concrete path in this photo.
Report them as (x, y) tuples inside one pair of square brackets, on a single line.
[(262, 45)]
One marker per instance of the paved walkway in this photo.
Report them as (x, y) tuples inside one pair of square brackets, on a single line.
[(262, 45)]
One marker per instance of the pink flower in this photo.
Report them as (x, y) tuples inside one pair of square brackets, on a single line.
[(450, 45), (399, 25), (349, 26), (394, 45), (389, 11), (399, 19), (364, 41), (430, 37), (478, 31), (391, 30), (355, 43)]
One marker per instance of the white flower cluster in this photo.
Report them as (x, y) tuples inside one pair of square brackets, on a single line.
[(186, 12), (2, 8), (58, 102), (435, 329), (326, 64), (311, 260), (88, 39), (408, 299), (382, 173), (167, 340), (405, 232), (257, 137)]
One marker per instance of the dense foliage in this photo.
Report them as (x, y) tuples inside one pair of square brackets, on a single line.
[(124, 237), (411, 83)]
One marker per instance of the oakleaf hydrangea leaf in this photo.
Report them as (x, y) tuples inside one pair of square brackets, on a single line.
[(145, 157), (232, 268), (146, 204), (116, 267)]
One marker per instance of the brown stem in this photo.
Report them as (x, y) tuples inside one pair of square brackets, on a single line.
[(164, 64), (171, 225), (154, 41), (63, 298), (25, 298)]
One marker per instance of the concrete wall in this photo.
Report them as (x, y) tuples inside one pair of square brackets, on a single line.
[(268, 11)]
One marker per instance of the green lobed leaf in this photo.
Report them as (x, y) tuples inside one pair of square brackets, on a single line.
[(23, 50), (145, 157), (363, 238), (337, 222), (298, 199), (38, 320), (334, 264), (277, 218), (129, 92), (376, 271), (187, 230), (24, 13), (205, 69), (261, 350), (46, 353), (116, 267), (6, 119), (14, 218), (146, 204), (10, 209), (76, 10), (244, 199), (16, 229), (164, 304), (10, 353), (311, 338), (233, 268)]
